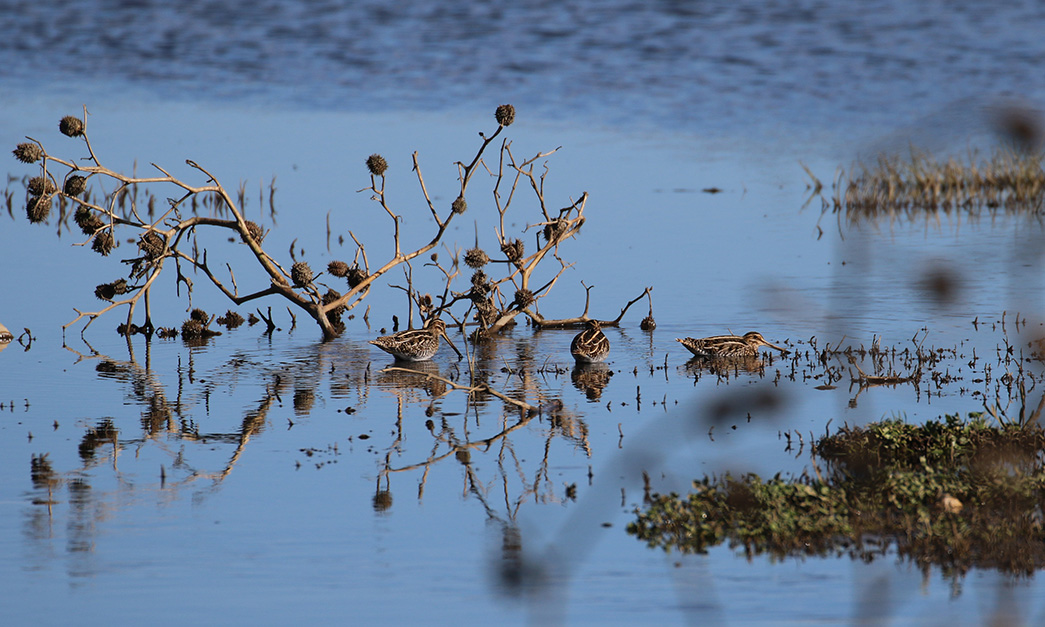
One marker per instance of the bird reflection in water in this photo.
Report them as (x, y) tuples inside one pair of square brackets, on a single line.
[(413, 375), (591, 379)]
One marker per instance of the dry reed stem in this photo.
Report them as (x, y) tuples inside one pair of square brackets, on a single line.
[(894, 187)]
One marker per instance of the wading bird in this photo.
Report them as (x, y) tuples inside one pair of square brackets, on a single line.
[(416, 344), (590, 346), (725, 346)]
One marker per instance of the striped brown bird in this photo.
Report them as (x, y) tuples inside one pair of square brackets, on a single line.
[(416, 344), (591, 345), (727, 346)]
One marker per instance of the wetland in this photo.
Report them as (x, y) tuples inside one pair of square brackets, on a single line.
[(262, 461)]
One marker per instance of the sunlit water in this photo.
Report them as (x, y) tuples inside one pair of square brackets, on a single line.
[(259, 496)]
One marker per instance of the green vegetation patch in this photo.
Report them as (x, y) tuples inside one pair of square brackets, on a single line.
[(955, 493)]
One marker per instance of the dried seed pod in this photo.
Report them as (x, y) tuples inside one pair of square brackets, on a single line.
[(200, 315), (480, 285), (514, 249), (88, 222), (485, 312), (230, 320), (553, 229), (301, 274), (331, 296), (376, 164), (255, 231), (192, 329), (38, 186), (356, 275), (153, 245), (107, 291), (71, 126), (648, 323), (75, 185), (103, 243), (104, 291), (334, 315), (505, 115), (27, 152), (523, 298), (476, 258), (338, 268), (38, 208), (459, 205)]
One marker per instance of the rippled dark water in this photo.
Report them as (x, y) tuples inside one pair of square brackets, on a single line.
[(347, 495), (713, 68)]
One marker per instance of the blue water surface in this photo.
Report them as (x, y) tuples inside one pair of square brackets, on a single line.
[(275, 479)]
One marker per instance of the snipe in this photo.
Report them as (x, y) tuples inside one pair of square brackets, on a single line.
[(727, 346), (591, 345), (416, 344)]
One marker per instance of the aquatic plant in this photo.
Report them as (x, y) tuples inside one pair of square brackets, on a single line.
[(890, 186), (956, 493), (173, 235)]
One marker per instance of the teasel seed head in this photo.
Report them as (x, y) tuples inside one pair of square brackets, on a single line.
[(27, 152), (87, 220), (331, 296), (38, 208), (104, 291), (356, 275), (153, 245), (231, 319), (476, 258), (255, 231), (107, 291), (103, 243), (301, 274), (459, 205), (338, 268), (485, 312), (553, 229), (514, 249), (523, 298), (38, 186), (376, 164), (75, 185), (480, 284), (71, 126), (192, 329), (505, 115)]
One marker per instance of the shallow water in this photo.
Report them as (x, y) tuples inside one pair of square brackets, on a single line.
[(239, 480)]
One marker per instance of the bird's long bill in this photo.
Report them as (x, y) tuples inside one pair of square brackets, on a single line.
[(452, 345), (779, 348)]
